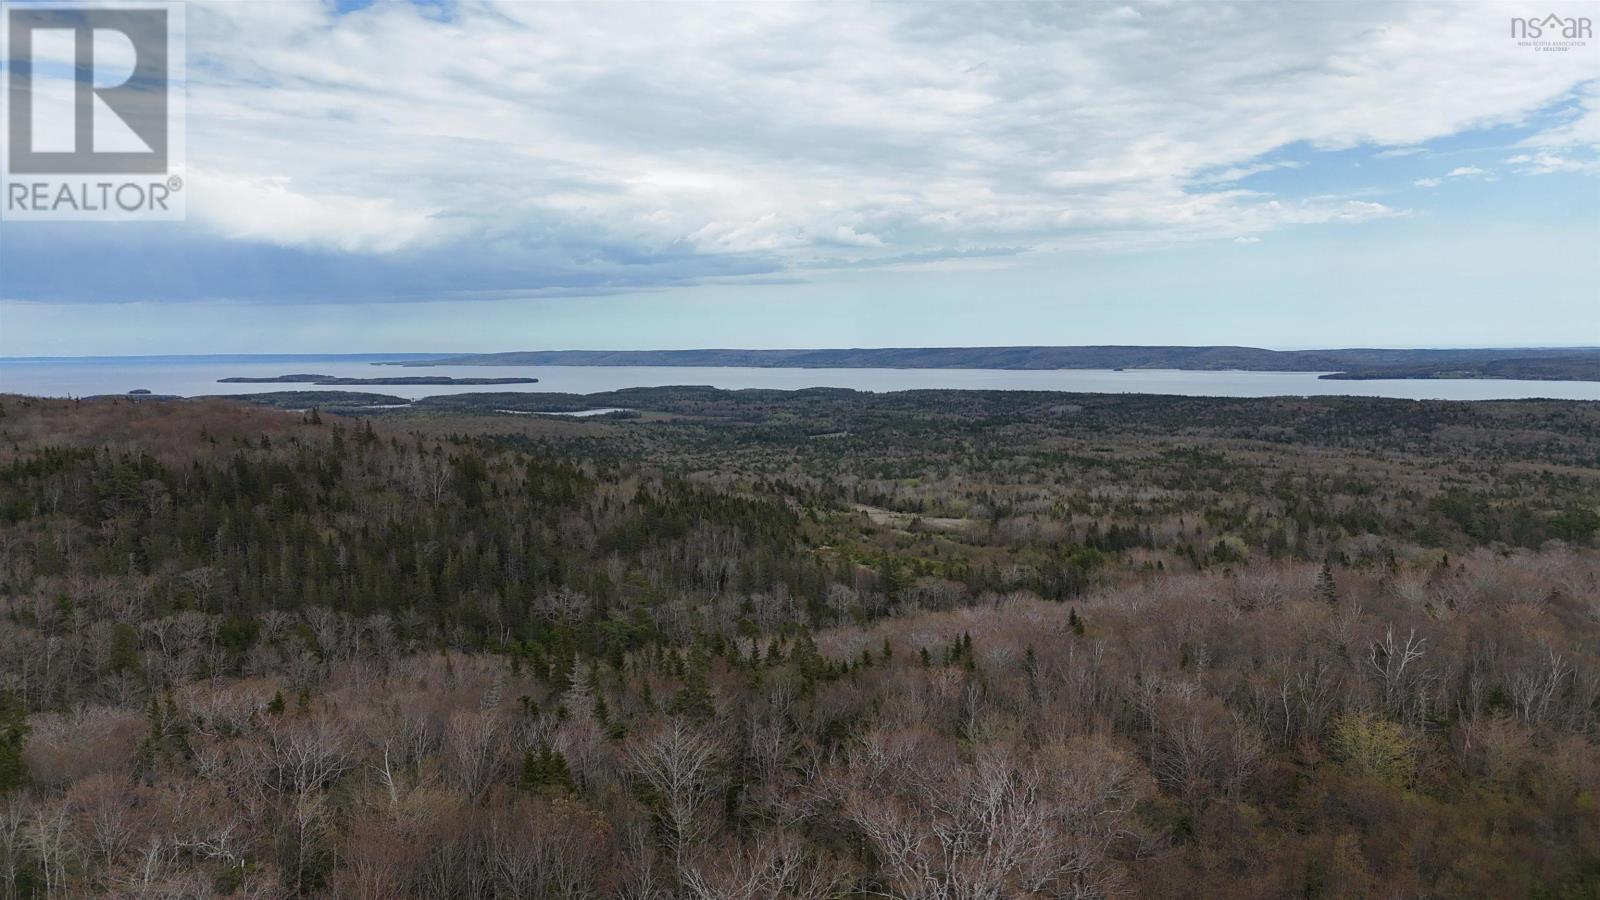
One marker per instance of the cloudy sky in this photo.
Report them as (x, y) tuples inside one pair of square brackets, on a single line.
[(484, 176)]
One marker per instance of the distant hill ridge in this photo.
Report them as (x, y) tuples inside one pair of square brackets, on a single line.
[(1545, 363)]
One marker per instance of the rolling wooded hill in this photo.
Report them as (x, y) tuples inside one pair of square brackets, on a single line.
[(1574, 363)]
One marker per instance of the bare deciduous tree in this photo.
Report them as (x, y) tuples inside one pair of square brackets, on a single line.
[(678, 762)]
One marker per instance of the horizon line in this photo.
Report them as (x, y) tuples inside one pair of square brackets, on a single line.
[(449, 354)]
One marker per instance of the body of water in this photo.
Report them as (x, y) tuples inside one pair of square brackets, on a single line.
[(192, 376)]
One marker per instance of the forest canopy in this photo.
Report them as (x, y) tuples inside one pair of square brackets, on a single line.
[(809, 644)]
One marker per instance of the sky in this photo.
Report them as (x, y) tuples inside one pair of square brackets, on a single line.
[(472, 176)]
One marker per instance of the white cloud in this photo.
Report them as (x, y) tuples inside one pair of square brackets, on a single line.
[(1572, 144), (1547, 163), (1581, 125), (270, 210), (1457, 172), (1237, 173), (598, 135)]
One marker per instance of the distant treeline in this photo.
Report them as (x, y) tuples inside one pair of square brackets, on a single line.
[(1564, 363), (402, 379), (1547, 368)]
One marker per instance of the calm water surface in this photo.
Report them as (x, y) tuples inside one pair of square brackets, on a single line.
[(196, 376)]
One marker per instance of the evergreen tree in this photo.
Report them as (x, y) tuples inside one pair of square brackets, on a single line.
[(1327, 589), (124, 654), (13, 731), (694, 699), (808, 661), (545, 770)]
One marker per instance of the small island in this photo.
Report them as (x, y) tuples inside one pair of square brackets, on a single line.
[(305, 378)]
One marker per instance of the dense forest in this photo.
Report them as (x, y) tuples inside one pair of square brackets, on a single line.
[(760, 644)]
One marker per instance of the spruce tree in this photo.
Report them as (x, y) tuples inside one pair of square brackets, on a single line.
[(1327, 589), (545, 770), (694, 699), (13, 731)]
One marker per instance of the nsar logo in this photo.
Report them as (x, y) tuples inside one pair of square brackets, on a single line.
[(1552, 32)]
